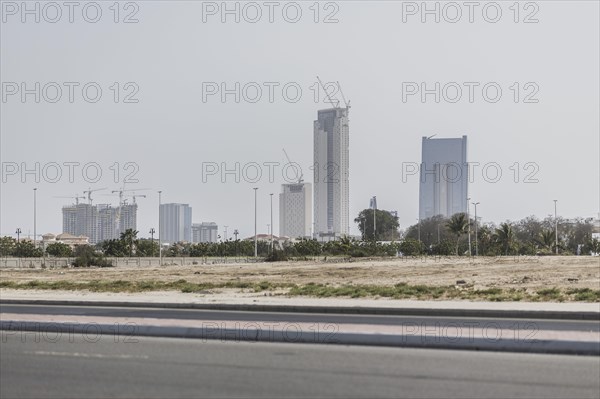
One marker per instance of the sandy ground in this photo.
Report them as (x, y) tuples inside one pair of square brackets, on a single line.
[(503, 272)]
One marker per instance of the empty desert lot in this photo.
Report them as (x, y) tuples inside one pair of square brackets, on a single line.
[(526, 275)]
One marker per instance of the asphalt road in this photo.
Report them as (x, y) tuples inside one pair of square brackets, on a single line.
[(388, 320), (169, 367)]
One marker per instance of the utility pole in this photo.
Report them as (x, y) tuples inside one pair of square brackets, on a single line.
[(18, 232)]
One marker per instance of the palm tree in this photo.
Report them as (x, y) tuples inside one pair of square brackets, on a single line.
[(457, 225), (504, 236), (129, 239), (547, 238)]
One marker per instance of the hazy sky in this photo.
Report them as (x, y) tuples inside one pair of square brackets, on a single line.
[(375, 50)]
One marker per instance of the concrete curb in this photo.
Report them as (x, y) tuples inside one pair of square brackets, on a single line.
[(435, 312), (91, 333)]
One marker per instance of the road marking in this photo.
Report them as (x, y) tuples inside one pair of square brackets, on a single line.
[(86, 355)]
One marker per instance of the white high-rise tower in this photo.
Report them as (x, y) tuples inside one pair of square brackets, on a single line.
[(331, 173)]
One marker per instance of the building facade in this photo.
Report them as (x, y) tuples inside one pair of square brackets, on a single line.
[(81, 220), (295, 211), (205, 232), (175, 223), (99, 222), (331, 173), (444, 177)]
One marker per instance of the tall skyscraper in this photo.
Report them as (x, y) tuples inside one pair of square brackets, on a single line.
[(331, 172), (176, 223), (444, 186), (295, 216)]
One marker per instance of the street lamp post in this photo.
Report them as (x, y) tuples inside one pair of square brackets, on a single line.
[(35, 217), (18, 232), (235, 233), (255, 233), (152, 231), (469, 223), (555, 229), (159, 228), (271, 195), (476, 239), (374, 217)]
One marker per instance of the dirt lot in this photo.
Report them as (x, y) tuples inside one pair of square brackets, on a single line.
[(482, 273)]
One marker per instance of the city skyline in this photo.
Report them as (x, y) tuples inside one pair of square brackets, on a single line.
[(546, 149)]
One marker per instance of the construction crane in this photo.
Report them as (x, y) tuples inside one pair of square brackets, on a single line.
[(336, 104), (301, 178), (347, 103), (122, 203), (77, 198), (123, 190), (90, 191), (134, 196)]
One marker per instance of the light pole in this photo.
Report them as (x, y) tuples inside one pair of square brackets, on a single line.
[(18, 232), (225, 233), (235, 233), (152, 231), (374, 216), (255, 237), (35, 217), (555, 228), (469, 222), (159, 228), (271, 195), (476, 240)]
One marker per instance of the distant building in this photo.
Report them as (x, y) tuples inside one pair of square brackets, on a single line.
[(65, 238), (295, 213), (175, 223), (444, 183), (99, 222), (128, 217), (331, 173), (81, 220), (107, 223), (205, 232)]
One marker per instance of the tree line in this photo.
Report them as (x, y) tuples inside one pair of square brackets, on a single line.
[(432, 236)]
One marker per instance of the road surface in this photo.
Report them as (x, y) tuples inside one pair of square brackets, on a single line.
[(116, 366)]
